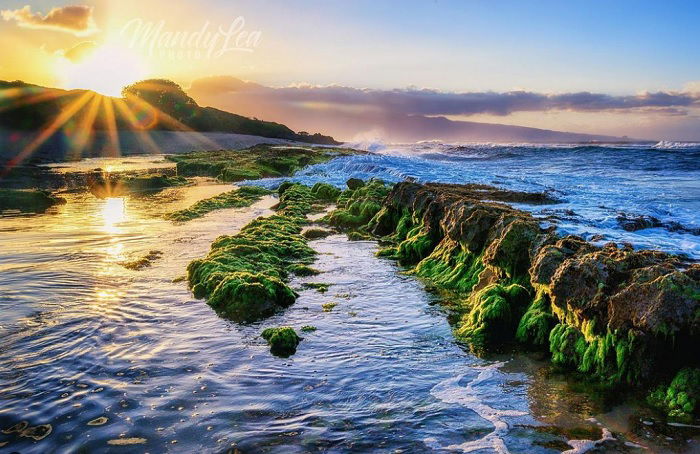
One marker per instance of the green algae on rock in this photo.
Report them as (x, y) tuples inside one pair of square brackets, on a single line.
[(355, 207), (103, 186), (328, 307), (259, 161), (316, 233), (308, 328), (614, 314), (28, 200), (299, 269), (320, 287), (243, 276), (244, 196), (283, 340), (680, 399), (143, 262)]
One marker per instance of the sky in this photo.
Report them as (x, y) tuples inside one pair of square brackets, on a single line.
[(639, 59)]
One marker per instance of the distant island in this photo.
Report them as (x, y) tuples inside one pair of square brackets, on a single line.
[(153, 105)]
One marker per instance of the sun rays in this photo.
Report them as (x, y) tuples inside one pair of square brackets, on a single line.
[(86, 123)]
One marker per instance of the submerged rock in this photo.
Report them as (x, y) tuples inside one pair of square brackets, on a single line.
[(242, 197), (103, 186), (632, 224), (28, 200), (283, 341)]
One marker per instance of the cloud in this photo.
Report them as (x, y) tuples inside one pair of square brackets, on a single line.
[(433, 103), (75, 19), (79, 51)]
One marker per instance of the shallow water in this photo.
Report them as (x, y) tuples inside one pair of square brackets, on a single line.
[(129, 361)]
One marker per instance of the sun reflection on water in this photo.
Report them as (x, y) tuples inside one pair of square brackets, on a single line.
[(113, 213)]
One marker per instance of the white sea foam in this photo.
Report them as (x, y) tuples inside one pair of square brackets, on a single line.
[(581, 446), (474, 396)]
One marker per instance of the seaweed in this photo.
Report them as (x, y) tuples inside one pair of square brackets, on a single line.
[(492, 315), (356, 207), (143, 262), (243, 276), (283, 340), (28, 200), (259, 161), (238, 198), (104, 186), (679, 400), (318, 286), (328, 307)]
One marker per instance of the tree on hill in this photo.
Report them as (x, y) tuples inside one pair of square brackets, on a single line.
[(165, 95)]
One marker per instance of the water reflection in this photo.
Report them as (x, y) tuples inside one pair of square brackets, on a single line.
[(113, 212)]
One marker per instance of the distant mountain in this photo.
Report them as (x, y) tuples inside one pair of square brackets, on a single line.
[(359, 114), (150, 105)]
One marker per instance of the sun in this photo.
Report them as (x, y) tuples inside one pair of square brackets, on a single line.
[(105, 70)]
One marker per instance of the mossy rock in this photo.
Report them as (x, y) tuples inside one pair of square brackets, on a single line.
[(238, 198), (315, 233), (325, 192), (318, 286), (243, 276), (354, 183), (120, 185), (681, 397), (28, 200), (259, 161), (283, 340), (356, 207)]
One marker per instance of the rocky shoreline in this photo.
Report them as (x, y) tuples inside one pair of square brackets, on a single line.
[(621, 316), (617, 316)]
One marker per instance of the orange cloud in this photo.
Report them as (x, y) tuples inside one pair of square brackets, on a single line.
[(75, 19)]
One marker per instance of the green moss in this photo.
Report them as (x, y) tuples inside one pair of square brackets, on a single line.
[(613, 358), (492, 315), (300, 269), (451, 267), (238, 198), (567, 345), (243, 275), (30, 200), (314, 234), (256, 162), (537, 322), (356, 207), (308, 328), (283, 341), (325, 192), (328, 307), (143, 262), (318, 286), (680, 398), (120, 185), (354, 183)]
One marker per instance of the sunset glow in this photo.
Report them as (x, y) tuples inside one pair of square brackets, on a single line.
[(106, 70)]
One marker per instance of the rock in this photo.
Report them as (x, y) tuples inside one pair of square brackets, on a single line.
[(354, 183), (614, 313), (30, 200), (314, 233), (632, 224), (283, 341)]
